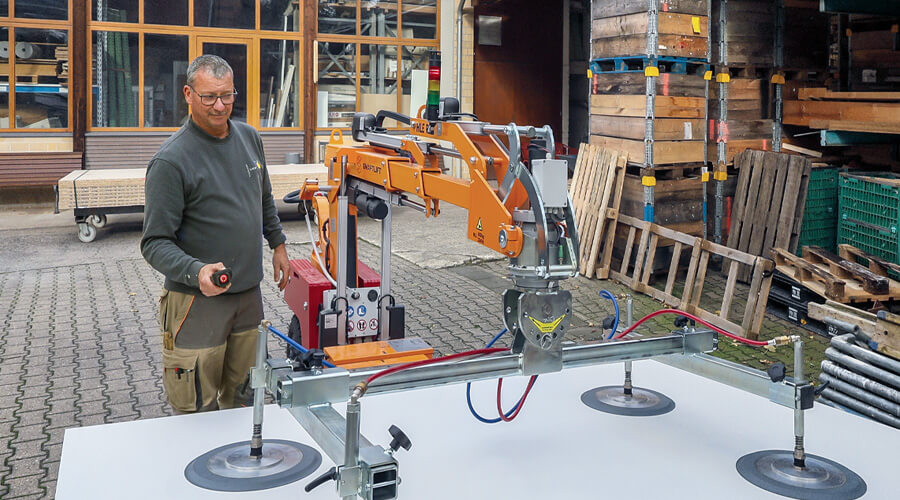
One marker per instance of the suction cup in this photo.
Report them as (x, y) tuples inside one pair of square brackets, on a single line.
[(774, 471), (230, 467), (640, 403)]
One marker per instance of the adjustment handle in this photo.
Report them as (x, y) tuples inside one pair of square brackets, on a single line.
[(400, 439), (329, 475), (776, 372)]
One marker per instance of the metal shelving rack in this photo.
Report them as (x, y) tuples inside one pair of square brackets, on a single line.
[(652, 73), (722, 79)]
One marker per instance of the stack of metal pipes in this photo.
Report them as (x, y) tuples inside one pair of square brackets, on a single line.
[(861, 380)]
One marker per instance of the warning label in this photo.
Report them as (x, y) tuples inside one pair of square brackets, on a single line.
[(479, 226)]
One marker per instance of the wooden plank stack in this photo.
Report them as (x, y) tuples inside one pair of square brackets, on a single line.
[(125, 187), (748, 125), (821, 108), (769, 202), (596, 192)]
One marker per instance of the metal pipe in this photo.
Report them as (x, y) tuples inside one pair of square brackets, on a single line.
[(799, 427), (629, 320), (843, 343), (860, 381), (859, 406), (459, 38), (860, 394), (259, 392), (332, 385), (860, 366)]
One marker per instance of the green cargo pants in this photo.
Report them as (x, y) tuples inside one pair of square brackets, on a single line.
[(209, 346)]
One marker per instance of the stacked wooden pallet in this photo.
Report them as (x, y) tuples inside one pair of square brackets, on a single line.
[(849, 111), (125, 187), (839, 278), (675, 136), (747, 126), (596, 192), (769, 203)]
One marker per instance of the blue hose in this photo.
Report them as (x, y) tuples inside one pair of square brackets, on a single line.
[(606, 294), (469, 393), (293, 343)]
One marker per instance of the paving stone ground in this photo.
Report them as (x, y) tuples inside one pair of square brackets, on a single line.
[(80, 344)]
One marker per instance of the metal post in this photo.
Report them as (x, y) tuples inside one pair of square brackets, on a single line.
[(351, 453), (799, 453), (385, 274), (704, 175), (779, 82), (722, 132), (343, 215), (629, 320), (259, 393), (650, 111)]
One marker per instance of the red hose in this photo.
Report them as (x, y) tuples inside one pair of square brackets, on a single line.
[(414, 364), (521, 400), (695, 318)]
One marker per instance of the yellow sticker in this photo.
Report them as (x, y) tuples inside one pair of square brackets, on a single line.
[(707, 75), (695, 23), (478, 226), (704, 177), (648, 180), (720, 176), (651, 71), (590, 73), (547, 327), (723, 78)]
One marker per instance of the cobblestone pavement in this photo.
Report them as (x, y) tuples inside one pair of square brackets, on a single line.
[(80, 344)]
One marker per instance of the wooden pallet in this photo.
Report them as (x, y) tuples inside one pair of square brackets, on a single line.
[(640, 248), (769, 202), (596, 193), (836, 278)]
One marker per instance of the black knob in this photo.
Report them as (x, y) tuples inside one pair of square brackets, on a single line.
[(608, 322), (330, 475), (312, 359), (682, 321), (400, 439), (776, 372), (821, 388)]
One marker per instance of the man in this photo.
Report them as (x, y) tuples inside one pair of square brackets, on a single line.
[(208, 205)]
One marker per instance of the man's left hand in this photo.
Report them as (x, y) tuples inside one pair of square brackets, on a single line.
[(281, 266)]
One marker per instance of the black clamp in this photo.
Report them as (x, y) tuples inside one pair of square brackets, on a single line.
[(311, 360)]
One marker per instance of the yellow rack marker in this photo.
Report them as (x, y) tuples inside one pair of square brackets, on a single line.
[(723, 78), (648, 180), (704, 177), (590, 74), (651, 71), (778, 79), (720, 176), (707, 75)]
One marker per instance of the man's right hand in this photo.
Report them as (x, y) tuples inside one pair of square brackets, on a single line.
[(207, 287)]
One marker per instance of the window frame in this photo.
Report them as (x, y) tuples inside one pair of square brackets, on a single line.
[(196, 36), (359, 40), (12, 23)]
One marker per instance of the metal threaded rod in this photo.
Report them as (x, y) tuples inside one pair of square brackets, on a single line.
[(799, 453)]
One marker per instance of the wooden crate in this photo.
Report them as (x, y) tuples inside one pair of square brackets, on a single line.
[(609, 8), (677, 202), (680, 35), (667, 84), (632, 127), (664, 152)]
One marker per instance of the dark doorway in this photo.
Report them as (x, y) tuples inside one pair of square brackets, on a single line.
[(518, 71)]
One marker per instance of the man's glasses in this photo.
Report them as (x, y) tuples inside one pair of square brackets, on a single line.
[(210, 100)]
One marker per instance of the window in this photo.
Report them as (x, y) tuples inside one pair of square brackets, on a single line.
[(165, 68), (172, 12), (391, 38), (225, 13), (34, 65), (279, 76), (336, 95), (42, 9), (279, 15), (123, 11), (115, 86), (378, 18), (378, 78)]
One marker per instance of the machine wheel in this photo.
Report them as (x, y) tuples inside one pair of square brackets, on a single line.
[(86, 232), (304, 207), (96, 220), (294, 334)]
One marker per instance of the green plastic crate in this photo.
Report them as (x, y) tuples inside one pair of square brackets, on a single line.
[(819, 228), (870, 239), (865, 198)]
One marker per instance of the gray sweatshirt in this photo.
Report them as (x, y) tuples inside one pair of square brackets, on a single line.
[(209, 200)]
